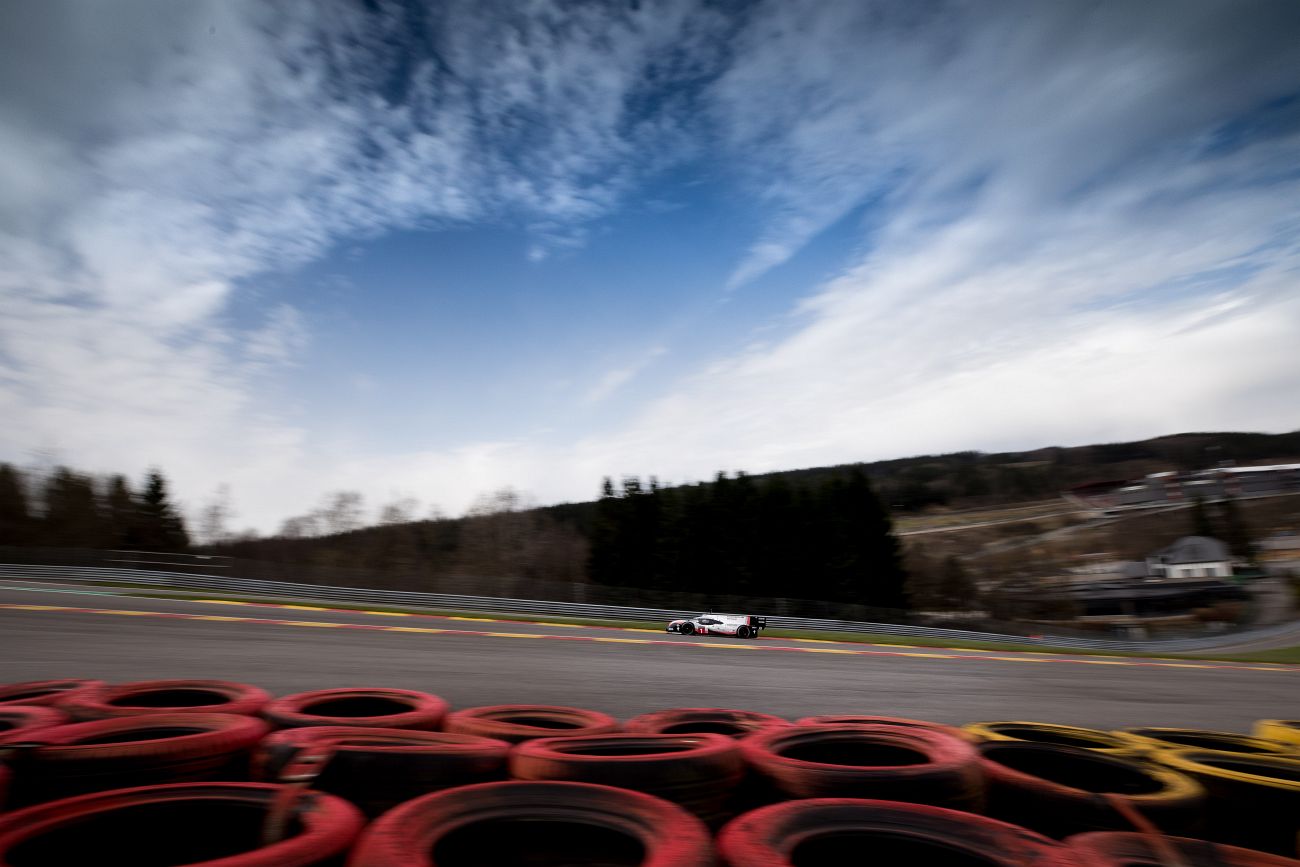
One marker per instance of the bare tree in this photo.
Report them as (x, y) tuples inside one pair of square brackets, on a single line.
[(214, 521), (341, 512), (400, 511)]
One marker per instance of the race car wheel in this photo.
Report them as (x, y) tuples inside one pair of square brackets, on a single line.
[(687, 628), (744, 632)]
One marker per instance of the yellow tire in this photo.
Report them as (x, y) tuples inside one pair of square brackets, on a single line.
[(1254, 800), (1050, 733), (1282, 731), (1152, 739)]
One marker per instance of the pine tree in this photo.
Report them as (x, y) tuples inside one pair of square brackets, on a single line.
[(122, 513), (161, 528), (72, 517), (15, 518)]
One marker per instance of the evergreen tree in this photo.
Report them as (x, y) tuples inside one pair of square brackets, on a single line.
[(72, 516), (15, 518), (122, 513), (160, 527)]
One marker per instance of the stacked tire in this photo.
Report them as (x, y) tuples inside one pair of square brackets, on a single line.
[(189, 823), (894, 763), (1061, 790), (1254, 799), (535, 823), (376, 768), (134, 751), (849, 831), (361, 708), (102, 701), (698, 772)]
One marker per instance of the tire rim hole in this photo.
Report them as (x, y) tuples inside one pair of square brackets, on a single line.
[(358, 706), (170, 698), (1090, 772), (854, 752)]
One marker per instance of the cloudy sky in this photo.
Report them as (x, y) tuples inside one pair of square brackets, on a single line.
[(430, 250)]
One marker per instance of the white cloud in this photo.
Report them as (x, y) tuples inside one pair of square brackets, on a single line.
[(1064, 241)]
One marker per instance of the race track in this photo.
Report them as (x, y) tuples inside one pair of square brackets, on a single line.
[(47, 633)]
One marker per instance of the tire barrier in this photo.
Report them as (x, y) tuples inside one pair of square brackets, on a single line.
[(1060, 790), (843, 831), (165, 696), (1149, 739), (377, 769), (135, 751), (895, 763), (517, 723), (1049, 733), (1282, 731), (363, 708), (18, 722), (1254, 800), (857, 719), (702, 720), (1128, 849), (699, 772), (43, 693), (574, 824), (189, 823)]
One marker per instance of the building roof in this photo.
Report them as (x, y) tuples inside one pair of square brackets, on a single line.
[(1193, 549)]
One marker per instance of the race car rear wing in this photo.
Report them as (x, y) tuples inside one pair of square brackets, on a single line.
[(758, 622)]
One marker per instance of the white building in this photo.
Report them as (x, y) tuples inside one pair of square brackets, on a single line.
[(1191, 557)]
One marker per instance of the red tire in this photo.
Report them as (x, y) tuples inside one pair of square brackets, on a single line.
[(44, 692), (863, 720), (703, 720), (362, 708), (166, 696), (379, 768), (850, 831), (1058, 790), (524, 722), (136, 751), (893, 763), (1125, 849), (20, 722), (698, 772), (208, 824), (543, 823)]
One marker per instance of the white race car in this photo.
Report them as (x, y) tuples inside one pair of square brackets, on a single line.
[(739, 625)]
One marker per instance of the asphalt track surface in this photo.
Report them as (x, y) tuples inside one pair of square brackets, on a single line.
[(56, 633)]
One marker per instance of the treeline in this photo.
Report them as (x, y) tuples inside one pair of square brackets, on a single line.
[(67, 509), (831, 540), (502, 536)]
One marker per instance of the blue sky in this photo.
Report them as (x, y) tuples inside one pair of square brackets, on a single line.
[(427, 251)]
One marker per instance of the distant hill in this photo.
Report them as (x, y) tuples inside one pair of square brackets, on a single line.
[(551, 542)]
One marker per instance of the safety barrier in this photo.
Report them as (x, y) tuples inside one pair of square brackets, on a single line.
[(459, 602)]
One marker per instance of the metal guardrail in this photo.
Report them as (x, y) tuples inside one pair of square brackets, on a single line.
[(456, 602)]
